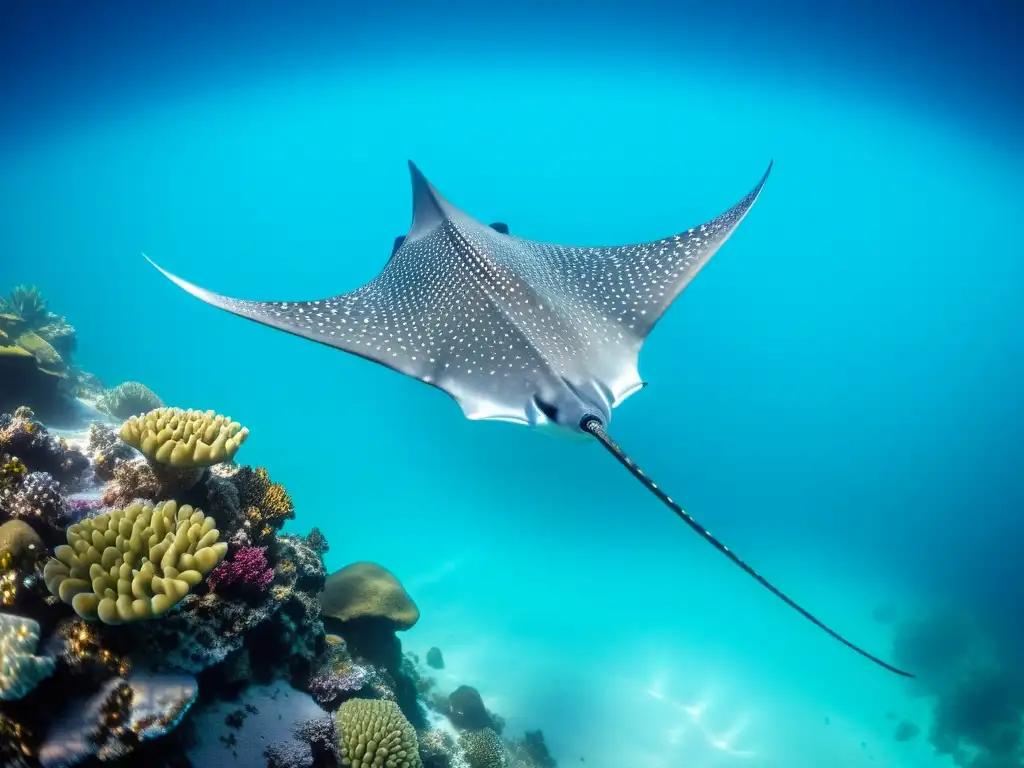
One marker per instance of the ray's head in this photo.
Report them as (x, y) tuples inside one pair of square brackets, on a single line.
[(563, 409)]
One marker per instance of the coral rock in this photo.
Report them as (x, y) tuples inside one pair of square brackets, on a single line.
[(466, 709), (434, 658)]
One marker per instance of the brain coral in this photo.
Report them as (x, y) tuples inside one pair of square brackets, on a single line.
[(366, 590), (133, 564), (374, 733), (483, 749), (129, 399)]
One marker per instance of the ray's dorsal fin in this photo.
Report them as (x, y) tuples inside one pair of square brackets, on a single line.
[(429, 208), (496, 226), (595, 427)]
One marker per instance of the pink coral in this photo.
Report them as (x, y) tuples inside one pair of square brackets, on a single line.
[(248, 568)]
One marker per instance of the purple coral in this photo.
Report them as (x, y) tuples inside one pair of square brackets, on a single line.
[(332, 688), (248, 568)]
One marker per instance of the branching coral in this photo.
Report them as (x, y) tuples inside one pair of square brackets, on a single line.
[(27, 303), (20, 669), (372, 732), (247, 570), (107, 450), (266, 505), (180, 444), (130, 399), (39, 498), (134, 564)]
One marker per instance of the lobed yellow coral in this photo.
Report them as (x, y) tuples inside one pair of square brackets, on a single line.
[(373, 733), (184, 439), (132, 564)]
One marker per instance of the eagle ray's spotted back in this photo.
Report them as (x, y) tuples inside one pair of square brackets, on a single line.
[(498, 321)]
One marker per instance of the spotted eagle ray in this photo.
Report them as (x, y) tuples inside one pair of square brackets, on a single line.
[(513, 329)]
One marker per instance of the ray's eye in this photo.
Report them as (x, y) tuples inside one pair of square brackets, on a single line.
[(547, 409)]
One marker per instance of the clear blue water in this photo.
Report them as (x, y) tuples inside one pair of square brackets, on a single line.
[(836, 395)]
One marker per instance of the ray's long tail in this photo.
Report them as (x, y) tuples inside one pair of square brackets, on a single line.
[(596, 428)]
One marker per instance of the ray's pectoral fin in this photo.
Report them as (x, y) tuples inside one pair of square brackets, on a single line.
[(594, 426)]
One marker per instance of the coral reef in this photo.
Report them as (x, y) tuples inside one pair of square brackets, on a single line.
[(25, 442), (129, 399), (976, 690), (134, 564), (36, 350), (158, 615), (374, 733)]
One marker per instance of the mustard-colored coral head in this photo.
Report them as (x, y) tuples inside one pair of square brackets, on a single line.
[(374, 732), (132, 564), (184, 439)]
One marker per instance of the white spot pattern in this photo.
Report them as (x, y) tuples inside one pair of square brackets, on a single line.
[(493, 319)]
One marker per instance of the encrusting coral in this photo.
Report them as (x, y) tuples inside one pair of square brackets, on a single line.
[(375, 733), (182, 444), (20, 669), (133, 564)]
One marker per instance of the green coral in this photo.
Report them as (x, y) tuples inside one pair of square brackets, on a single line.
[(133, 564), (374, 733), (28, 303), (130, 399), (48, 360), (483, 749), (365, 590)]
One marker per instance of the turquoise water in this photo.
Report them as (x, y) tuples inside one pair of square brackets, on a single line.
[(834, 396)]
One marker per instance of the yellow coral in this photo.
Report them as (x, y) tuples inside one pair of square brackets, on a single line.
[(264, 500), (184, 439), (372, 732), (132, 564)]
